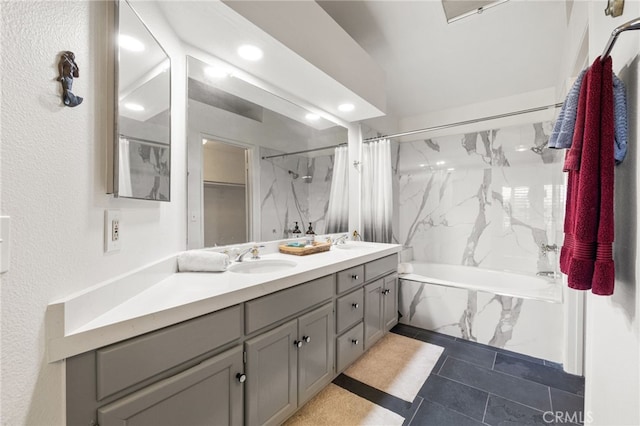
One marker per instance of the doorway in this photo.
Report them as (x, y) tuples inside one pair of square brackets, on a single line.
[(225, 195)]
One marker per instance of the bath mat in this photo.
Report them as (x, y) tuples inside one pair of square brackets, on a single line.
[(336, 406), (396, 365)]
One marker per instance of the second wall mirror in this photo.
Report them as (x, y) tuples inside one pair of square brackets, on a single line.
[(142, 145)]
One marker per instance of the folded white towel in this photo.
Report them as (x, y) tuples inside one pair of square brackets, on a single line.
[(405, 268), (202, 261)]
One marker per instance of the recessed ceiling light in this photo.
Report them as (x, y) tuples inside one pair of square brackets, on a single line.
[(250, 52), (204, 141), (450, 169), (130, 43), (522, 148), (423, 165), (216, 72), (312, 117), (134, 107), (346, 107), (440, 163)]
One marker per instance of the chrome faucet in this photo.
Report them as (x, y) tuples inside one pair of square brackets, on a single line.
[(254, 253), (546, 248), (548, 274), (341, 239)]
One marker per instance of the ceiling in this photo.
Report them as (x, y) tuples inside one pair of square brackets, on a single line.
[(430, 65)]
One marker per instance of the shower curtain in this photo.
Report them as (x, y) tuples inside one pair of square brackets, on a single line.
[(125, 189), (338, 209), (377, 199)]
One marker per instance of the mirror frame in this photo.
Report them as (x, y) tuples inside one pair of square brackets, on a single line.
[(114, 155)]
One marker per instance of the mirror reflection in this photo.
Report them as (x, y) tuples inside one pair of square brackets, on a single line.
[(142, 145), (257, 164)]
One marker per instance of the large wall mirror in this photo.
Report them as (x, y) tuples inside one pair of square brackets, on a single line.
[(257, 163), (142, 145)]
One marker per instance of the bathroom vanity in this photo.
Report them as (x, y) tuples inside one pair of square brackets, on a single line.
[(252, 360)]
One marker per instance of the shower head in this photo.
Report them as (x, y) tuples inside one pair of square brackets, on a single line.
[(294, 175), (307, 179)]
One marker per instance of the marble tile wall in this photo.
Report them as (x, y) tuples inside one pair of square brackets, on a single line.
[(287, 195), (490, 200), (487, 199)]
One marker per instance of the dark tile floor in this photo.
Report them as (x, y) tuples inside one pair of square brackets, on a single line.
[(475, 384)]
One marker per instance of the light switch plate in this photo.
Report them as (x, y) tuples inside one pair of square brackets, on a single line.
[(112, 231), (5, 243)]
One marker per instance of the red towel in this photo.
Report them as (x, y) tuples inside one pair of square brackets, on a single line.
[(587, 256)]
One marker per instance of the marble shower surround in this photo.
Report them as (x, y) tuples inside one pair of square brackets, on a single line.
[(486, 199), (286, 197)]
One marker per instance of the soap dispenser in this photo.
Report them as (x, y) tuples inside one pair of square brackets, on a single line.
[(310, 235), (296, 233)]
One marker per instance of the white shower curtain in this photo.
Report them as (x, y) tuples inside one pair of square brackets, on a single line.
[(125, 189), (338, 209), (377, 199)]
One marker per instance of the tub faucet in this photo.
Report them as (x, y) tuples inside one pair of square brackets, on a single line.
[(548, 274), (546, 248)]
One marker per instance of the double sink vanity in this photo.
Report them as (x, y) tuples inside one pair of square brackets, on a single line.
[(249, 345)]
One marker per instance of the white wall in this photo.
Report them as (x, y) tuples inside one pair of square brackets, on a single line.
[(54, 184), (612, 334)]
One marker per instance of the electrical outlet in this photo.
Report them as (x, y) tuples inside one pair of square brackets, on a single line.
[(112, 237)]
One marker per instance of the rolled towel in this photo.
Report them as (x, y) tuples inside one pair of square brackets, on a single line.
[(202, 261), (405, 268)]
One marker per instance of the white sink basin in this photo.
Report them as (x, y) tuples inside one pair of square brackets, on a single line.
[(262, 266), (348, 246)]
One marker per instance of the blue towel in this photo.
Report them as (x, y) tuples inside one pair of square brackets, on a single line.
[(562, 134), (620, 114)]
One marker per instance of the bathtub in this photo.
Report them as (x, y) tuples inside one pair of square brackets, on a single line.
[(488, 280), (521, 313)]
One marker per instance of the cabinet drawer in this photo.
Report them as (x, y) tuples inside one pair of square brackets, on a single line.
[(266, 310), (349, 347), (132, 361), (380, 267), (350, 278), (349, 310)]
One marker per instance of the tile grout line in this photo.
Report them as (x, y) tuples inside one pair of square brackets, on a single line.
[(486, 404), (550, 399), (416, 411), (494, 361)]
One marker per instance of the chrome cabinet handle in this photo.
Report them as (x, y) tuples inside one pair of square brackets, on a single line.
[(355, 276), (355, 305), (298, 343), (241, 377), (355, 341), (385, 291), (307, 339)]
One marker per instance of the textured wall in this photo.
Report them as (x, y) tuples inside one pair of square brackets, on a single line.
[(53, 174)]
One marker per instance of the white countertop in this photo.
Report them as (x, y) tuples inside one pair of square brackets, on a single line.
[(157, 296)]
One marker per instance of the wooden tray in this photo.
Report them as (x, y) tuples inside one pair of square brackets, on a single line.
[(303, 251)]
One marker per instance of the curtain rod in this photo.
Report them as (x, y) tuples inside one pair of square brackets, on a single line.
[(631, 25), (462, 123), (427, 129)]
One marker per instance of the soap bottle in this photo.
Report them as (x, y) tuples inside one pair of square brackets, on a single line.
[(310, 235), (296, 233)]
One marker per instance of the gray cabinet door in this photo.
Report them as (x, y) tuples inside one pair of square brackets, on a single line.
[(207, 394), (272, 364), (373, 325), (390, 293), (316, 356)]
